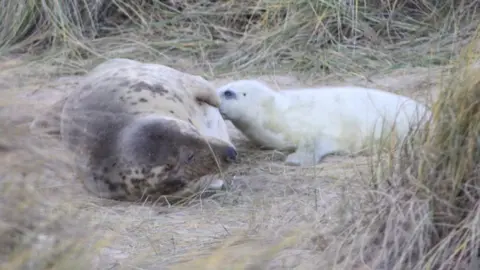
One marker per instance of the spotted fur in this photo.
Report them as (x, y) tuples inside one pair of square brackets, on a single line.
[(144, 130)]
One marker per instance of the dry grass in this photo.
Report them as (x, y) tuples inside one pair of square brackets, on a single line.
[(426, 214), (38, 230), (418, 209), (223, 36)]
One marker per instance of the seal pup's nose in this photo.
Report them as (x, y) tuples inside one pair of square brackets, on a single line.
[(230, 154)]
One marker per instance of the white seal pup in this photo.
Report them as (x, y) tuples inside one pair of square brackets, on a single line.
[(142, 130), (315, 122)]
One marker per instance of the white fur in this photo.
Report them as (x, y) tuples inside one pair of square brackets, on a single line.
[(217, 184), (315, 122)]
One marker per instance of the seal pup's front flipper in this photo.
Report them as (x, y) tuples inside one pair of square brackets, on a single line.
[(311, 151)]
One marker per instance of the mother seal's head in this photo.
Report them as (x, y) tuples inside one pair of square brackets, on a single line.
[(150, 156), (168, 154), (162, 141)]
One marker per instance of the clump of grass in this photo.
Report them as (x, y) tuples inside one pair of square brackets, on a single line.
[(425, 216), (220, 36), (39, 228)]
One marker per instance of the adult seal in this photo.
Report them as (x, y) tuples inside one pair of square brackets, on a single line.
[(143, 130), (314, 122)]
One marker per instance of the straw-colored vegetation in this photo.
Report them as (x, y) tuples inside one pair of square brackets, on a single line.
[(418, 208)]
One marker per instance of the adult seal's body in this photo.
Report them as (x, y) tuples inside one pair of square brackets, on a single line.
[(313, 123), (144, 130)]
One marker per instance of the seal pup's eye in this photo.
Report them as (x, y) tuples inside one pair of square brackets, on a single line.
[(229, 94)]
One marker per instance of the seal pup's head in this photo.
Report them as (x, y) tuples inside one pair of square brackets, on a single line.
[(243, 100)]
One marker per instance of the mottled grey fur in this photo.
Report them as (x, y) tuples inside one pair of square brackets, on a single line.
[(140, 130)]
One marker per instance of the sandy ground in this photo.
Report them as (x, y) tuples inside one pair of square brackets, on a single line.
[(265, 200)]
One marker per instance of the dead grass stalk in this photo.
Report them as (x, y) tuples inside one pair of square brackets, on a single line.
[(221, 36)]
